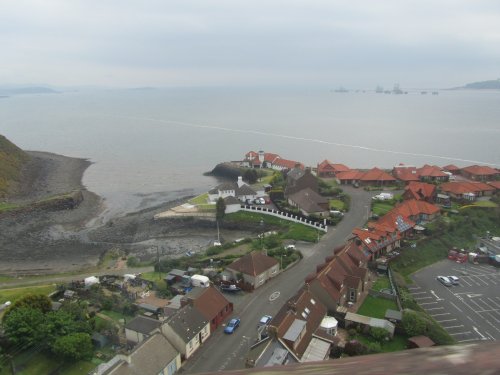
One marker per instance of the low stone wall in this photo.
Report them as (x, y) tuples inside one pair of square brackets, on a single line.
[(376, 293)]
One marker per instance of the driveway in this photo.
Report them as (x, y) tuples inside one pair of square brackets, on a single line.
[(227, 352), (469, 311)]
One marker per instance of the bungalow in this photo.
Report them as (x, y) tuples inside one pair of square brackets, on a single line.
[(328, 169), (187, 329), (310, 203), (495, 185), (432, 173), (268, 160), (140, 328), (350, 177), (298, 179), (255, 267), (420, 191), (210, 303), (451, 168), (480, 173), (341, 279), (376, 176), (155, 355), (466, 190), (405, 173)]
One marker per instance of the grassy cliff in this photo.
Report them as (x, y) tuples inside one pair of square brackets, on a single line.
[(12, 159)]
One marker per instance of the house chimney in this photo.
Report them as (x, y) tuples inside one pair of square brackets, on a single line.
[(240, 181)]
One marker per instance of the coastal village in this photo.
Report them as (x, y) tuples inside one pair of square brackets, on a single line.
[(351, 302)]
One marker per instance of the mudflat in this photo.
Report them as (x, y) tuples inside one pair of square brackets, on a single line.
[(56, 241)]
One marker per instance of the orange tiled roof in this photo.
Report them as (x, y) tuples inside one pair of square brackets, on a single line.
[(405, 173), (352, 174), (413, 207), (495, 184), (451, 168), (376, 174), (431, 171), (480, 170), (421, 190), (462, 187)]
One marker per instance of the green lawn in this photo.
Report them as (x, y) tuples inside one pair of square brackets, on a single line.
[(336, 204), (116, 316), (291, 230), (486, 204), (200, 199), (381, 283), (14, 294), (380, 208), (153, 276), (376, 307)]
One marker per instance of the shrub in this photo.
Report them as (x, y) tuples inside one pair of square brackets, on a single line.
[(379, 334), (354, 347), (414, 323)]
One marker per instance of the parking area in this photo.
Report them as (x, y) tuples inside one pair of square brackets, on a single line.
[(468, 311)]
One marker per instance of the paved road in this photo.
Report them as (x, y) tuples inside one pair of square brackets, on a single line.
[(227, 352), (469, 311)]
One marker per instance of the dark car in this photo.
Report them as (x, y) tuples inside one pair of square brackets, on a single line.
[(232, 325)]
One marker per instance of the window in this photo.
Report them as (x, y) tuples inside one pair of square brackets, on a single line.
[(313, 301), (190, 345), (352, 295)]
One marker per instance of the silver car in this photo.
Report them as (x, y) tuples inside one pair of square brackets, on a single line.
[(444, 280)]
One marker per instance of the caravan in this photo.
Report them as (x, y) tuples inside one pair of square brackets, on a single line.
[(200, 280)]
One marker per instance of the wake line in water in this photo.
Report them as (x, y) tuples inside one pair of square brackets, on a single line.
[(285, 136)]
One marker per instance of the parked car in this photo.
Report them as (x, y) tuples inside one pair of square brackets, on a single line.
[(265, 320), (260, 201), (232, 325), (336, 213), (454, 279), (444, 280), (290, 247)]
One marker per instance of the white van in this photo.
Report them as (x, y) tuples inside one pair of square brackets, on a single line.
[(200, 280)]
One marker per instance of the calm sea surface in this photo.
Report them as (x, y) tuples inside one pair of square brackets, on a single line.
[(150, 146)]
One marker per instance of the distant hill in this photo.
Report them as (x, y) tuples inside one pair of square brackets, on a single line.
[(7, 91), (483, 85), (12, 158)]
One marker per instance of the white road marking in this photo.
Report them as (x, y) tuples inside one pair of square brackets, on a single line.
[(451, 327), (464, 281), (474, 295), (467, 340), (419, 298), (459, 333), (419, 292), (434, 308), (444, 321), (435, 295), (479, 333), (427, 303), (433, 315), (492, 301), (455, 306)]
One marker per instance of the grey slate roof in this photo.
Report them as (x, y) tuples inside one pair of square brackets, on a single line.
[(295, 174), (143, 325), (308, 200), (244, 190), (187, 322), (231, 200), (148, 358)]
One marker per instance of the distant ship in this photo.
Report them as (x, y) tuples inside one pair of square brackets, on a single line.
[(435, 93), (396, 90), (424, 93), (341, 89), (379, 90)]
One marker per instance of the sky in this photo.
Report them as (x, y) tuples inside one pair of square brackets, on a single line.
[(171, 43)]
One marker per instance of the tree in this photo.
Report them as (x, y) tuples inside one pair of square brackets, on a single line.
[(379, 334), (61, 323), (250, 175), (74, 346), (220, 209), (413, 323), (24, 326), (33, 301)]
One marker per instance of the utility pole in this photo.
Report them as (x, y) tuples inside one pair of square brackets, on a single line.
[(158, 261)]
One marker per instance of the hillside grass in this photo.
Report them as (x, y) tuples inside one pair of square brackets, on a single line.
[(461, 231), (12, 159)]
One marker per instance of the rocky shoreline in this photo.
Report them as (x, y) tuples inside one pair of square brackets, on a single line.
[(41, 241)]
